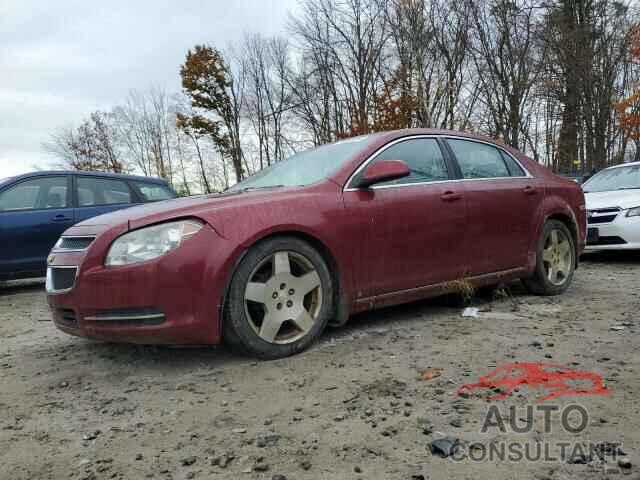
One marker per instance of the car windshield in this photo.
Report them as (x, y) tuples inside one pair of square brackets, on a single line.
[(618, 178), (306, 167)]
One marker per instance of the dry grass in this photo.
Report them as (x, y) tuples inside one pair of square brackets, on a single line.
[(461, 287)]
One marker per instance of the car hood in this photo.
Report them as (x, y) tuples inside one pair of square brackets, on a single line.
[(616, 198), (202, 206)]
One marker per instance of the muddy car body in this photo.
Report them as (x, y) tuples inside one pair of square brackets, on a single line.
[(267, 266)]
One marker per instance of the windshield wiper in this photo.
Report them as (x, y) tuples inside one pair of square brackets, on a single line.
[(628, 188)]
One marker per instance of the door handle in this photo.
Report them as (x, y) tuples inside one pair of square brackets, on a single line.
[(61, 218), (529, 190), (450, 196)]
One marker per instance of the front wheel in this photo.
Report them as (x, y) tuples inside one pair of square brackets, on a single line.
[(555, 260), (280, 299)]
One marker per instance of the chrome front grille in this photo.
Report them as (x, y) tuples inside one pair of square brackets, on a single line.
[(73, 244), (602, 215)]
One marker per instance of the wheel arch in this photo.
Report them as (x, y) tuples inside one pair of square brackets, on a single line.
[(570, 222), (323, 249)]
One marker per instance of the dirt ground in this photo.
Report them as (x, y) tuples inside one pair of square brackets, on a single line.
[(366, 401)]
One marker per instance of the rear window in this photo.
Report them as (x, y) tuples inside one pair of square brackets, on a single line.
[(478, 160), (151, 192), (102, 191), (514, 168)]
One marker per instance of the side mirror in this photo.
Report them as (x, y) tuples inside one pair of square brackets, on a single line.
[(383, 171)]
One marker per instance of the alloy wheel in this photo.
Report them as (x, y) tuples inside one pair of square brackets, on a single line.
[(557, 257), (283, 297)]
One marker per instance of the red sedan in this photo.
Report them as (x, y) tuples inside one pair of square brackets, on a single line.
[(367, 222)]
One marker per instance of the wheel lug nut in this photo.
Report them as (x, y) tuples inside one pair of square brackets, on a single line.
[(291, 291), (275, 295), (289, 304), (279, 306), (283, 286)]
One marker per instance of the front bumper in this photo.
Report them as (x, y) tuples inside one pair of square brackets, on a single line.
[(174, 299), (622, 233)]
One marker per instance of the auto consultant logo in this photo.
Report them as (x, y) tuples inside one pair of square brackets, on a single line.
[(550, 381), (557, 380), (573, 419)]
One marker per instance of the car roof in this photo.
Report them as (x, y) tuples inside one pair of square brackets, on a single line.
[(630, 164), (437, 131), (122, 176)]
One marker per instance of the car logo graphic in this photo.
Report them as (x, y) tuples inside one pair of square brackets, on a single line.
[(556, 379), (51, 259)]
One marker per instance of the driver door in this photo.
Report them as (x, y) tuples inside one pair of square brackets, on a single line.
[(414, 234)]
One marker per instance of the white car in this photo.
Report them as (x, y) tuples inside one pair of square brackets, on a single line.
[(613, 208)]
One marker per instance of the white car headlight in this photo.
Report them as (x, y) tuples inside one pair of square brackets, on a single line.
[(633, 212), (150, 242)]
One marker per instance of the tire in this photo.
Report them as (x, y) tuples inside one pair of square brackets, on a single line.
[(560, 256), (273, 286)]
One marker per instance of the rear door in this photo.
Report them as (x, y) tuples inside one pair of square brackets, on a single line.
[(97, 195), (502, 199), (33, 214)]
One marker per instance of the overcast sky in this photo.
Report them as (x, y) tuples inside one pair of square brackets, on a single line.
[(60, 60)]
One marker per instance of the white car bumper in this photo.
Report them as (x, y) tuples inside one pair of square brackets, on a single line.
[(621, 233)]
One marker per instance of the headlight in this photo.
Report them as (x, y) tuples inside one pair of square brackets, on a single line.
[(633, 212), (150, 242)]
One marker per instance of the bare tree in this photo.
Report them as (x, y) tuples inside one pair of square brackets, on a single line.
[(507, 58), (344, 39), (540, 75), (91, 147), (144, 124)]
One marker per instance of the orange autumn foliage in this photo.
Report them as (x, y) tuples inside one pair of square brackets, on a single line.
[(628, 108), (393, 108)]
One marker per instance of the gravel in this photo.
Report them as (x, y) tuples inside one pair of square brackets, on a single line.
[(356, 401)]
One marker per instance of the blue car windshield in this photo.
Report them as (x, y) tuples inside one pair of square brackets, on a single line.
[(307, 167)]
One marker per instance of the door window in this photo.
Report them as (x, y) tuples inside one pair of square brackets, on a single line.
[(478, 160), (102, 191), (152, 193), (423, 157), (39, 193), (514, 167)]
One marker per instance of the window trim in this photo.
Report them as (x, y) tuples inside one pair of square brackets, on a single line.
[(497, 147), (69, 196), (448, 155), (76, 200)]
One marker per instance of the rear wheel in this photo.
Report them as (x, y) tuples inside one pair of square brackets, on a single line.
[(555, 260), (280, 299)]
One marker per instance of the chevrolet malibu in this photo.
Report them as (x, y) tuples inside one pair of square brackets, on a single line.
[(363, 223)]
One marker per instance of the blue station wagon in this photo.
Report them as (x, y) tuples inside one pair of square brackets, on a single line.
[(35, 208)]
